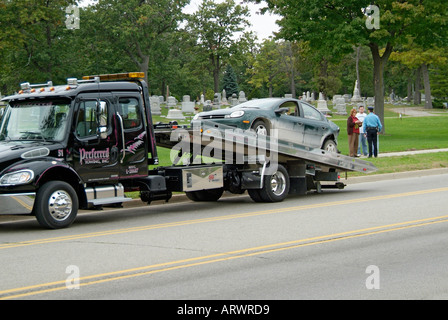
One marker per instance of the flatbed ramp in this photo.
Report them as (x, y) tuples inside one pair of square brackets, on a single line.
[(230, 144)]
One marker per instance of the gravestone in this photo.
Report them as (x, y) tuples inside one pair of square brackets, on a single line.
[(171, 102), (308, 97), (217, 101), (233, 100), (224, 97), (154, 102), (336, 96), (187, 105), (207, 106), (341, 106), (175, 114), (322, 104), (242, 97)]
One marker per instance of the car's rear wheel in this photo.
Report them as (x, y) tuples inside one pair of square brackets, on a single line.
[(260, 128)]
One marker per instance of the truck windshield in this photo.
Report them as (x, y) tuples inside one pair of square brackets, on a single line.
[(45, 121)]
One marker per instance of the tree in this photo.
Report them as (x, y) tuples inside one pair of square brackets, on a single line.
[(266, 66), (33, 42), (230, 83), (339, 25), (417, 58), (136, 27), (217, 27)]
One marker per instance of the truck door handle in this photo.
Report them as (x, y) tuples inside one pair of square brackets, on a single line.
[(122, 137)]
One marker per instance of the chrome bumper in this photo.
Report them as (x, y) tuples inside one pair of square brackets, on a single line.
[(20, 203)]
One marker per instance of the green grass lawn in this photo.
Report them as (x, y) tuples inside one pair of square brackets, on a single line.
[(407, 133)]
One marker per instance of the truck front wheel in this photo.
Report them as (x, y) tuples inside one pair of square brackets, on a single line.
[(56, 205)]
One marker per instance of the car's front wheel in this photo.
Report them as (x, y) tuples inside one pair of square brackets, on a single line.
[(260, 128), (330, 146)]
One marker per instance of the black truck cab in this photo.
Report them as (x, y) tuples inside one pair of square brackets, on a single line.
[(68, 147)]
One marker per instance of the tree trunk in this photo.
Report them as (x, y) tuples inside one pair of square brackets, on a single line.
[(425, 74), (358, 51), (417, 94), (409, 97), (379, 63), (293, 83), (216, 79)]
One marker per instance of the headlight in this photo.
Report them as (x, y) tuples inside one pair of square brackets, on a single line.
[(17, 178), (196, 117), (235, 114)]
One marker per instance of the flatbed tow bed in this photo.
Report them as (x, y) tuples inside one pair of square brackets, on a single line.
[(168, 136), (306, 167)]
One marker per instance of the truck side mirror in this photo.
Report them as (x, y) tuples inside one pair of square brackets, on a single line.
[(101, 112)]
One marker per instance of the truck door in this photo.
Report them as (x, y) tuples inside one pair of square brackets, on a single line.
[(95, 147), (133, 155)]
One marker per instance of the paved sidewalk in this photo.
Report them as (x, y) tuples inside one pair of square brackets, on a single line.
[(412, 152)]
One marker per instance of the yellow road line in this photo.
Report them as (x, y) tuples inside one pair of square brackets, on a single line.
[(226, 256), (214, 219)]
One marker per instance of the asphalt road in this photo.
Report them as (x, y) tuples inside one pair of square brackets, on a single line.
[(374, 240)]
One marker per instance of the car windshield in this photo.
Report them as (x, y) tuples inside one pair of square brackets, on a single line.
[(257, 104), (35, 121)]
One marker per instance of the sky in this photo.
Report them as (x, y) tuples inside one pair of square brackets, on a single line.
[(262, 25)]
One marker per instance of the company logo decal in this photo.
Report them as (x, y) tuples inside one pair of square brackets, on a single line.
[(94, 156)]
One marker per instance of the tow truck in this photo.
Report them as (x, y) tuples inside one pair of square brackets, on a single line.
[(85, 144)]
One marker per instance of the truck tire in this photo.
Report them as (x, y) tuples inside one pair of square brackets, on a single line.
[(56, 205), (275, 186), (205, 195), (255, 195)]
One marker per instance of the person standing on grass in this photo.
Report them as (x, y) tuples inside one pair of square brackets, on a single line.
[(353, 133), (372, 127), (362, 138)]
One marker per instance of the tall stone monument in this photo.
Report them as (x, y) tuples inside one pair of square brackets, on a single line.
[(356, 96)]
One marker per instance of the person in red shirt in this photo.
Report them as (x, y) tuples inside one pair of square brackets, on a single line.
[(353, 133)]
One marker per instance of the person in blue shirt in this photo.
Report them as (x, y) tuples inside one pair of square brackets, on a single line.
[(372, 127)]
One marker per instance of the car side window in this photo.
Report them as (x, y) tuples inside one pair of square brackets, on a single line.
[(311, 113), (293, 108)]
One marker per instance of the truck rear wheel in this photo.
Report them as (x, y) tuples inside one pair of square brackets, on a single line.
[(56, 205), (275, 186)]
